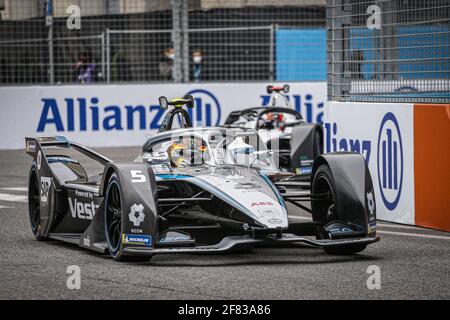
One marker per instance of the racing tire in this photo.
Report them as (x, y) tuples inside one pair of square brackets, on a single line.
[(113, 222), (34, 205), (323, 211)]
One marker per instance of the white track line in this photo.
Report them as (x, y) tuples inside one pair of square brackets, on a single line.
[(5, 207), (23, 189), (13, 198), (429, 236)]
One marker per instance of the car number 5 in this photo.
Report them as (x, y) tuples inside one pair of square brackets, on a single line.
[(137, 176)]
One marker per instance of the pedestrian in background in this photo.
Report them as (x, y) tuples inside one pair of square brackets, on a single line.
[(85, 68), (197, 57), (166, 64)]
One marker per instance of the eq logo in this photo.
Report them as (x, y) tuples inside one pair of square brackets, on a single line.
[(46, 183), (390, 161), (206, 111)]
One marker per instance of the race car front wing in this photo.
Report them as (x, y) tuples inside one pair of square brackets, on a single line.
[(234, 242)]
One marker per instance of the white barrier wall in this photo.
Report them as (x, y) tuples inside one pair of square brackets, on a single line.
[(384, 134), (122, 115)]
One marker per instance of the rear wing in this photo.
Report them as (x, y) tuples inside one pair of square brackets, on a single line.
[(33, 145)]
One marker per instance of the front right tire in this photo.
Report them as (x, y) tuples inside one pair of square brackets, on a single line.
[(324, 210)]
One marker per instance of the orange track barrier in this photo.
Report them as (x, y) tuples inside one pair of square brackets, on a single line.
[(432, 165)]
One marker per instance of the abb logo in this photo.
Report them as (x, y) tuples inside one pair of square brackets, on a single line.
[(257, 204)]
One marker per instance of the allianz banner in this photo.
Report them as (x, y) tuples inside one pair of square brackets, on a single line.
[(383, 133), (123, 115)]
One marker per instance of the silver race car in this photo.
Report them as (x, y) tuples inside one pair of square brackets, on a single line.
[(283, 130), (196, 190)]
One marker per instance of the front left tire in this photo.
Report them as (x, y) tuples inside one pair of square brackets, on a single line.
[(113, 221)]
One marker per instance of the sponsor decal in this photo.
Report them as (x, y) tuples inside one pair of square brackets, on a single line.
[(142, 240), (274, 221), (136, 214), (390, 161), (372, 226), (258, 204), (82, 210), (87, 241), (247, 186), (206, 111), (370, 203), (266, 212), (137, 231), (84, 194), (31, 146), (179, 238), (46, 183), (39, 160)]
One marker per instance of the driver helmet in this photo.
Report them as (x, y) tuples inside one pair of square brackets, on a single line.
[(187, 152)]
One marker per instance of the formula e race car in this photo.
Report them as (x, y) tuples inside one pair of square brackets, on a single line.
[(195, 190), (283, 130)]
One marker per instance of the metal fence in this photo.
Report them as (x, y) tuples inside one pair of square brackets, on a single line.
[(105, 41), (388, 50)]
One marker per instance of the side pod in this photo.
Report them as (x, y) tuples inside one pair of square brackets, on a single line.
[(303, 144)]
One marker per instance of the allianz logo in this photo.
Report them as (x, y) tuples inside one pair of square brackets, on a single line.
[(333, 143), (82, 210), (88, 114), (81, 114), (304, 105), (389, 155)]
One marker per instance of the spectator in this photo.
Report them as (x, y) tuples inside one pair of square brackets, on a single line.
[(166, 64), (85, 68), (197, 57)]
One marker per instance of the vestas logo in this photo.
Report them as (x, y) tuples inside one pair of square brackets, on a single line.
[(390, 161), (206, 111)]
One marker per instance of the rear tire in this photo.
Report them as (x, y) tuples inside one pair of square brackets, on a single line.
[(34, 205), (113, 222), (323, 211)]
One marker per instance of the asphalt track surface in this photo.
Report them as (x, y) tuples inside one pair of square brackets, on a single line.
[(414, 262)]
